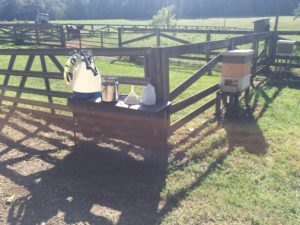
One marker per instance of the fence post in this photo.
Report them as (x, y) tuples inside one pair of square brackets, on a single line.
[(37, 37), (92, 26), (273, 46), (79, 39), (231, 44), (101, 38), (255, 47), (120, 37), (157, 69), (157, 37), (15, 34), (208, 38), (62, 36)]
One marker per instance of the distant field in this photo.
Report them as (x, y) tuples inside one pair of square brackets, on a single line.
[(286, 22)]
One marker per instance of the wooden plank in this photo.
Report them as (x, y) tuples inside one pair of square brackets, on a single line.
[(214, 45), (288, 33), (191, 58), (138, 39), (199, 31), (58, 94), (32, 74), (130, 80), (196, 48), (66, 51), (174, 38), (180, 123), (187, 83), (193, 99)]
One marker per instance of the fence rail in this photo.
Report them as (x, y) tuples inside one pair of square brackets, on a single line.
[(32, 34)]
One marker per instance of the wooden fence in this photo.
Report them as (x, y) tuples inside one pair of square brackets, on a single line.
[(43, 59), (96, 28), (115, 35), (32, 34), (165, 33), (102, 35), (281, 61), (156, 69)]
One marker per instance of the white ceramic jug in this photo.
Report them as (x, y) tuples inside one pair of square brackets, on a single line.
[(149, 96)]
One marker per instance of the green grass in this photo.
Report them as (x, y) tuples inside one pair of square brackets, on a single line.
[(245, 171)]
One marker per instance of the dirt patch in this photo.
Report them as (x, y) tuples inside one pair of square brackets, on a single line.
[(46, 180)]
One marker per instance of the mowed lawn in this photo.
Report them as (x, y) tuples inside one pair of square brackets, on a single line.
[(245, 170)]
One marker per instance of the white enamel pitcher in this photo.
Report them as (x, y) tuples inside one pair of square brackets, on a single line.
[(83, 76)]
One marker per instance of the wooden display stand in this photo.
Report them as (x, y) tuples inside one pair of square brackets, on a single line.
[(145, 126)]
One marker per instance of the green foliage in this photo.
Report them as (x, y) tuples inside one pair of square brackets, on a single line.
[(164, 17), (297, 12), (139, 9)]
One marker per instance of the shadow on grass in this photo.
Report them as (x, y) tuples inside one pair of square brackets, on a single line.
[(242, 132), (93, 184), (102, 185)]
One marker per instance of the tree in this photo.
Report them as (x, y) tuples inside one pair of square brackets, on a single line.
[(164, 17), (297, 12)]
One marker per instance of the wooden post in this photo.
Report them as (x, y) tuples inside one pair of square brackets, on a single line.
[(120, 37), (37, 37), (15, 34), (231, 45), (101, 39), (218, 106), (92, 26), (157, 69), (272, 50), (79, 39), (157, 37), (62, 36), (255, 47), (208, 38)]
